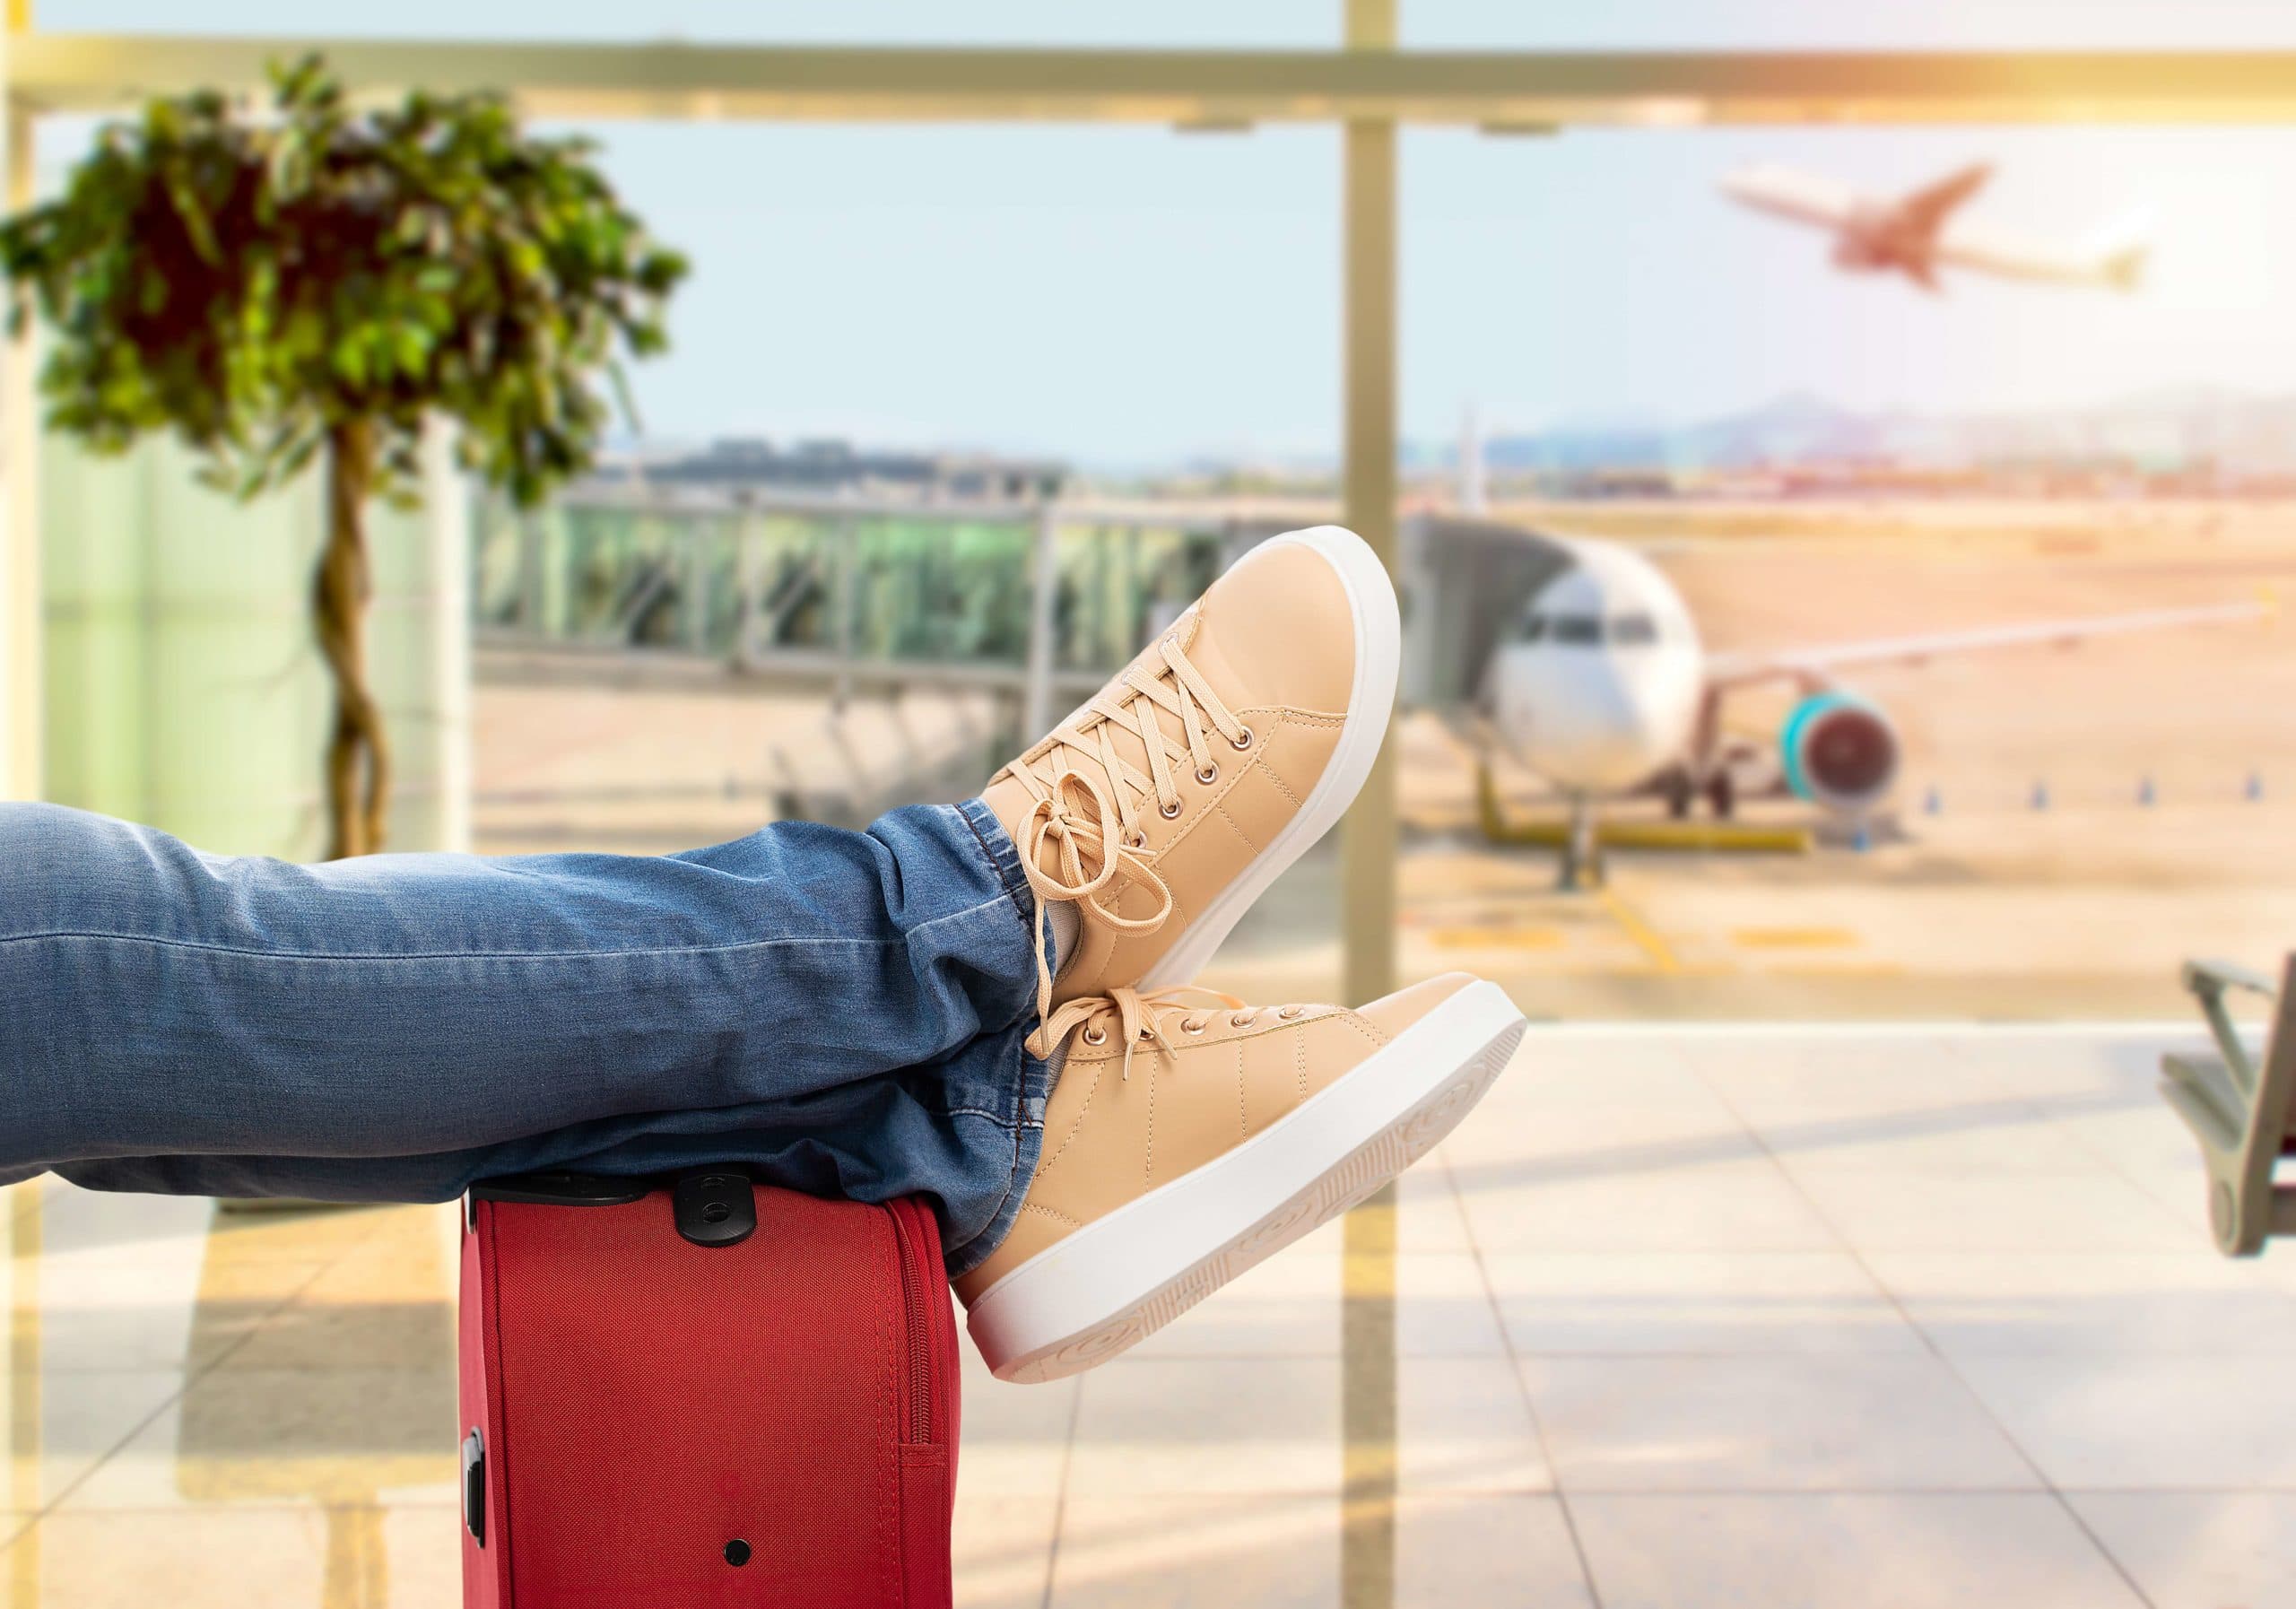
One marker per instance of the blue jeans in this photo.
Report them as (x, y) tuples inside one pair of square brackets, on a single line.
[(841, 1011)]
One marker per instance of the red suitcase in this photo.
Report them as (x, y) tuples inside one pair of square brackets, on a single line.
[(702, 1395)]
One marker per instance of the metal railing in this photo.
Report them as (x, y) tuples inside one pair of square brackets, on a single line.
[(1043, 600)]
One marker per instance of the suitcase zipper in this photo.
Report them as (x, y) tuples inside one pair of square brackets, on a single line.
[(915, 1291)]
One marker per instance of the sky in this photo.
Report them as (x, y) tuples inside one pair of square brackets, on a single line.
[(1130, 296)]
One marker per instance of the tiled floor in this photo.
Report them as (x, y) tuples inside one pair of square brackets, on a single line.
[(1823, 1318)]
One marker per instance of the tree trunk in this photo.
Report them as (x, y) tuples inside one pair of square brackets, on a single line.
[(358, 759)]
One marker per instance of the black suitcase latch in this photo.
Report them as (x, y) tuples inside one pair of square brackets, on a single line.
[(715, 1209)]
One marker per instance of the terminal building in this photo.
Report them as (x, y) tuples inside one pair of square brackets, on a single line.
[(749, 465)]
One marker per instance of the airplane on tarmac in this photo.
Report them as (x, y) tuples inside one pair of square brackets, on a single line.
[(1579, 658), (1915, 235)]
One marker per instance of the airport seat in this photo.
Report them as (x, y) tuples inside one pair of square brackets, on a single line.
[(2241, 1108)]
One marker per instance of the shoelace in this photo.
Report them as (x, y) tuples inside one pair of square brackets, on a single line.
[(1087, 797), (1140, 1017)]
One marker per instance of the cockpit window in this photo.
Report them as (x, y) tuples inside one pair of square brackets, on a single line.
[(1588, 630)]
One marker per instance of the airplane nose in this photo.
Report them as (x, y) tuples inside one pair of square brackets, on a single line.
[(1584, 720)]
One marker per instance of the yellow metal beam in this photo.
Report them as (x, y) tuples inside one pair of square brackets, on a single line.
[(97, 71)]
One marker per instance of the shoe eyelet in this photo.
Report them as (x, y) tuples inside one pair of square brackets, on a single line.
[(1242, 1019), (1209, 775), (1096, 1036), (1242, 739), (1171, 811), (1146, 1034), (1291, 1012), (1191, 1025), (1138, 840)]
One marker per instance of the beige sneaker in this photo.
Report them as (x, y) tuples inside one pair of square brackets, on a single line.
[(1159, 809), (1188, 1137)]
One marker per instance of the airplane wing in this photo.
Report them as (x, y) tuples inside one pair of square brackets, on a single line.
[(1924, 211), (1744, 670), (1785, 193)]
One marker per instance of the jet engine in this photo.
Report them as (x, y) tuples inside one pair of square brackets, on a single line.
[(1838, 752)]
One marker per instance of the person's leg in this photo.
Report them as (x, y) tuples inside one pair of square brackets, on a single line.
[(963, 1132), (1146, 821), (163, 1003)]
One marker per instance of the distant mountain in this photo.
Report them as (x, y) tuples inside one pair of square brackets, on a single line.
[(2161, 430)]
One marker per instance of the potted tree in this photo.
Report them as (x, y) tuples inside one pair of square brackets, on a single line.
[(303, 281)]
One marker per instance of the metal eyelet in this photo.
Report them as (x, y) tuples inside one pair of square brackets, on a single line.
[(1191, 1025), (1096, 1036), (1171, 811), (1242, 1019), (1146, 1034), (1243, 739), (1138, 840), (1289, 1012), (1209, 775)]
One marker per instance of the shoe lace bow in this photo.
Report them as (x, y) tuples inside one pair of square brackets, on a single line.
[(1086, 799)]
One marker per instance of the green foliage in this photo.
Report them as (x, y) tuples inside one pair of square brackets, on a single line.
[(261, 281)]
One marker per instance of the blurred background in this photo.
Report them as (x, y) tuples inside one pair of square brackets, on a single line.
[(1842, 504)]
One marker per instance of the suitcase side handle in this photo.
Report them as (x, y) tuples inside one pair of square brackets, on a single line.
[(475, 1486)]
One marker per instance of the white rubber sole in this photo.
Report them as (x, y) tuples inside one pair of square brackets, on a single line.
[(1371, 701), (1124, 1276)]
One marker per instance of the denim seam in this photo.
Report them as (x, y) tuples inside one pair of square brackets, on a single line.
[(998, 1118), (959, 1257), (1006, 864), (430, 955), (964, 1258)]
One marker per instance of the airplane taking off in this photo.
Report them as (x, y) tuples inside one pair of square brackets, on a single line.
[(1585, 664), (1915, 235)]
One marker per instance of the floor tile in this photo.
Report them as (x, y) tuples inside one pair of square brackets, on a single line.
[(1443, 1308), (1015, 1437), (63, 1425), (1001, 1549), (387, 1303), (265, 1557), (1744, 1204), (1427, 1208), (1710, 1302), (1814, 1422), (1877, 1209), (1163, 1425), (2145, 1423), (1455, 1549), (129, 1230), (2201, 1550), (1463, 1425), (2189, 1302), (87, 1314), (287, 1435), (1269, 1552), (1986, 1133), (1885, 1551)]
